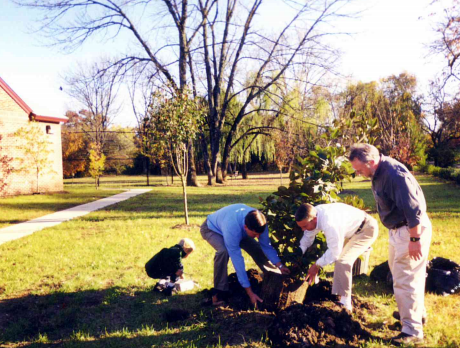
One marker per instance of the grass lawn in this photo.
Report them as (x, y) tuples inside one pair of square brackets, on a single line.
[(82, 283)]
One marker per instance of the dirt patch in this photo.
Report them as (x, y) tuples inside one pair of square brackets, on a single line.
[(185, 227), (318, 322), (322, 324), (320, 292), (238, 299)]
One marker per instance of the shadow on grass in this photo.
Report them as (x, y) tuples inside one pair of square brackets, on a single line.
[(109, 316)]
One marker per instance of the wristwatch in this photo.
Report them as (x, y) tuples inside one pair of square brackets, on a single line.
[(280, 266), (414, 239)]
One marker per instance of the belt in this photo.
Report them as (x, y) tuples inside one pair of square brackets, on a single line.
[(399, 224), (361, 226)]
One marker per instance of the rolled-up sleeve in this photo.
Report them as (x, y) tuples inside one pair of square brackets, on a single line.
[(267, 248), (407, 199)]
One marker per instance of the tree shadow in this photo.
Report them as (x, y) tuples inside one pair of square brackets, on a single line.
[(112, 315)]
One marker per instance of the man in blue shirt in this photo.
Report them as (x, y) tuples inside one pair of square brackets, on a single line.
[(231, 229)]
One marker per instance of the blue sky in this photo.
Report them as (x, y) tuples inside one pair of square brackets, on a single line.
[(389, 39)]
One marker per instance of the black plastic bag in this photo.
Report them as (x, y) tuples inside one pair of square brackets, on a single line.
[(443, 276)]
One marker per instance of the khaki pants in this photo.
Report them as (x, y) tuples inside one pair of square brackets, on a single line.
[(409, 276), (221, 257), (354, 248)]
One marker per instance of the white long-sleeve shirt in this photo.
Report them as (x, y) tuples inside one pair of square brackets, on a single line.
[(338, 221)]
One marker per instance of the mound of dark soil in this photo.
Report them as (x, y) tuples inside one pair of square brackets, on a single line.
[(238, 299), (320, 292), (316, 325)]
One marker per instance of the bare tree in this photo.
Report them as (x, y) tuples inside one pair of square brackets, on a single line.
[(447, 43), (210, 45), (96, 92), (233, 47), (443, 123)]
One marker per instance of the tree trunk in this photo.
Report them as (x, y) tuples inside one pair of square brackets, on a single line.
[(192, 179), (244, 170), (207, 164), (219, 174), (289, 169), (164, 170), (280, 291), (215, 158), (184, 191), (147, 165), (224, 168)]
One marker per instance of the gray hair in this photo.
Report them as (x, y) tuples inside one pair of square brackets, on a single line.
[(364, 153)]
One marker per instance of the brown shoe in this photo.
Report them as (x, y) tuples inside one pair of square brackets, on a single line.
[(398, 317), (405, 339)]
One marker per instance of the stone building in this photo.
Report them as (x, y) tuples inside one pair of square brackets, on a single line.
[(14, 115)]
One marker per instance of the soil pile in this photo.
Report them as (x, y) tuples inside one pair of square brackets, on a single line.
[(316, 325), (320, 292), (238, 299), (320, 322)]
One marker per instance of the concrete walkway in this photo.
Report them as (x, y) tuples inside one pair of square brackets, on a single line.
[(25, 228)]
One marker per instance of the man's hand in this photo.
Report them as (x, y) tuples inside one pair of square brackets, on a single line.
[(415, 250), (285, 270), (311, 274), (253, 297), (179, 273)]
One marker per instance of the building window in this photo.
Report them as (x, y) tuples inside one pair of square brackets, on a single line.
[(49, 130)]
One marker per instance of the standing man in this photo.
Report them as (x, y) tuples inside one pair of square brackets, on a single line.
[(402, 209), (341, 223), (229, 230)]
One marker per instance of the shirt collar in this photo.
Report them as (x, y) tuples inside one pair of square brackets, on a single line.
[(379, 167)]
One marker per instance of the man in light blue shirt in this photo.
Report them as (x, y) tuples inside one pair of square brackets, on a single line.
[(231, 229)]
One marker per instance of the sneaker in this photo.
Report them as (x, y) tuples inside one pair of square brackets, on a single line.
[(405, 339), (398, 317)]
